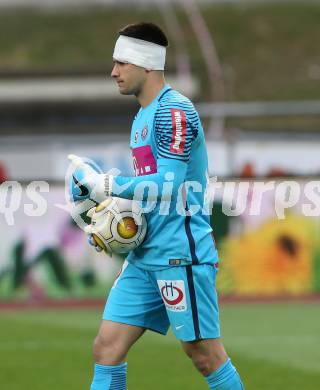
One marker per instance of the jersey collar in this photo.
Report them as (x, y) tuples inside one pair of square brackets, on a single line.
[(163, 91)]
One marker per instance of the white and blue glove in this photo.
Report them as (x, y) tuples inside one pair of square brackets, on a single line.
[(88, 230), (86, 182)]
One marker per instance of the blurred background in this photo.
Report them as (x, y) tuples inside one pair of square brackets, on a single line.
[(252, 68)]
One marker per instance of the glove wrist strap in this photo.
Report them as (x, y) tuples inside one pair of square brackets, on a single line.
[(108, 181)]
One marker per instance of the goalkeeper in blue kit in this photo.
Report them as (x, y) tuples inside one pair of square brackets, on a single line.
[(169, 280)]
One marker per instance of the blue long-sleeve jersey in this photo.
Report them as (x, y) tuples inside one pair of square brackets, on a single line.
[(170, 162)]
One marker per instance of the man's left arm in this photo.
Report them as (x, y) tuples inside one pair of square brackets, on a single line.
[(174, 135)]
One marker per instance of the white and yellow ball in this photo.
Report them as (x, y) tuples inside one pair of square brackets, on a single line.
[(117, 225)]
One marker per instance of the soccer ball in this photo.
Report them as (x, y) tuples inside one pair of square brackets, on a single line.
[(117, 225)]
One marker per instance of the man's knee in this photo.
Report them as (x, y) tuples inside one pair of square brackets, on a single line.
[(114, 341), (203, 363), (108, 350), (206, 355)]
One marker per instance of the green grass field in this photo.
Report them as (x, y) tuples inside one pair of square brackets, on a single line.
[(274, 346)]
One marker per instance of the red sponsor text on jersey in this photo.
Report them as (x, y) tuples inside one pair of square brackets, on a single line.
[(179, 131)]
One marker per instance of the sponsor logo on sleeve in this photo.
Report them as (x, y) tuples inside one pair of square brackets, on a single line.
[(173, 294), (179, 131)]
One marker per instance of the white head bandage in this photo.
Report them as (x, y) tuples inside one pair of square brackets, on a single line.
[(134, 51)]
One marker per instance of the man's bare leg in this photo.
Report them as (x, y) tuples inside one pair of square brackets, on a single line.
[(110, 349), (211, 359)]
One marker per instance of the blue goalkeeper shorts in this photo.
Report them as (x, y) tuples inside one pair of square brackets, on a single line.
[(184, 297)]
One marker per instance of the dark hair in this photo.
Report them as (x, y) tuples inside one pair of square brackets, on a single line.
[(146, 31)]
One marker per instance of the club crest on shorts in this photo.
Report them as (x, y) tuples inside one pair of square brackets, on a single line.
[(144, 132), (173, 294)]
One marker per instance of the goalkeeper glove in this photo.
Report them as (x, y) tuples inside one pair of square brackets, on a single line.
[(87, 183), (89, 230)]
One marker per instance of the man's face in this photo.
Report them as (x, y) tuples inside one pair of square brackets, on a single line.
[(130, 78)]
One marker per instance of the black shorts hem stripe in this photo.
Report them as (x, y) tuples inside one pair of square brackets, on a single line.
[(193, 301)]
